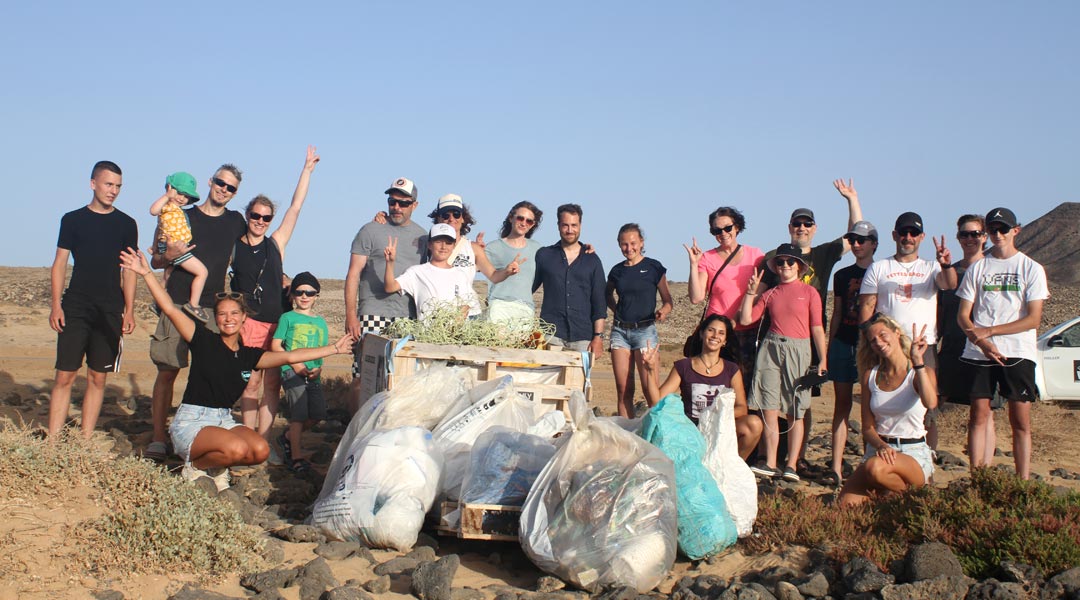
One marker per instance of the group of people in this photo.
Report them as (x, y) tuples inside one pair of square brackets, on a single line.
[(763, 332)]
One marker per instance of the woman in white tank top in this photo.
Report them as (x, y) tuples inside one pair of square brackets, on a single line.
[(896, 393)]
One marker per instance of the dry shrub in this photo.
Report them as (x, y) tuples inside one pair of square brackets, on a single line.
[(991, 517), (153, 522)]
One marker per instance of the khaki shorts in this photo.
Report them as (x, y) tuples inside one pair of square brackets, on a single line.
[(781, 361), (168, 350)]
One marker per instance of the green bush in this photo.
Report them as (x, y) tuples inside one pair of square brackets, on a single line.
[(991, 517)]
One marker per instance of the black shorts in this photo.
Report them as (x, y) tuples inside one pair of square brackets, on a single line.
[(90, 331), (954, 379), (1015, 381)]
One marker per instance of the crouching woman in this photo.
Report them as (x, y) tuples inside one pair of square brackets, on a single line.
[(896, 393), (203, 430)]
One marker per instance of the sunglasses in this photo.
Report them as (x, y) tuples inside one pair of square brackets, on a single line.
[(858, 240), (786, 261), (873, 319), (999, 229), (450, 212), (257, 217), (970, 235), (719, 230), (308, 293), (228, 296), (525, 220), (400, 203), (221, 183), (807, 224), (909, 232)]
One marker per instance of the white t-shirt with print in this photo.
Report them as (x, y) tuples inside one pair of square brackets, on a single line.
[(999, 290), (906, 292), (427, 283)]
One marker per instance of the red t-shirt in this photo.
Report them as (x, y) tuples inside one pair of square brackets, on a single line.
[(794, 308)]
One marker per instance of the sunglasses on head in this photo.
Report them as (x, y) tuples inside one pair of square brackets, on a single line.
[(228, 296), (446, 213), (400, 203), (221, 183), (525, 220), (254, 216), (858, 240), (718, 230), (308, 293), (999, 229), (786, 261), (873, 319), (807, 223), (970, 235)]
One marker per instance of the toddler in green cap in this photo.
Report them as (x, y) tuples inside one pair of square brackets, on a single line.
[(173, 225)]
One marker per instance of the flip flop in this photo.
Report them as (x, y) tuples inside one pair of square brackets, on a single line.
[(299, 466)]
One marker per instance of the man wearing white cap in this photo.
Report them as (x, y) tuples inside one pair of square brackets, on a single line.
[(368, 306)]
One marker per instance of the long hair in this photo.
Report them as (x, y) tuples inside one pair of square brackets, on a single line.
[(730, 349), (508, 224), (866, 358)]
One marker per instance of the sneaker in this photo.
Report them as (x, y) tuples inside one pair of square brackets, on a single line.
[(763, 470), (274, 458), (190, 472), (220, 476), (197, 312), (790, 475), (156, 451)]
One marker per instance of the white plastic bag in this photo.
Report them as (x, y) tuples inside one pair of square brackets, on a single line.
[(503, 465), (387, 486), (732, 475), (602, 512)]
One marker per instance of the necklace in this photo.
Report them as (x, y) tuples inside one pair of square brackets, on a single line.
[(708, 367)]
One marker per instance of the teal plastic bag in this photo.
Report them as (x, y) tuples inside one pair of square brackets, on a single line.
[(705, 526)]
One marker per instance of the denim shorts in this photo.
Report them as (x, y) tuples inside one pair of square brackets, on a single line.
[(842, 362), (634, 339), (190, 419), (920, 452)]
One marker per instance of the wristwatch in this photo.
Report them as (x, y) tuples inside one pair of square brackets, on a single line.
[(599, 334)]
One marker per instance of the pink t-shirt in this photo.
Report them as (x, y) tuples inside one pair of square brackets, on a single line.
[(794, 308), (728, 289)]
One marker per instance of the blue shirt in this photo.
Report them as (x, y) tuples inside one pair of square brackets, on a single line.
[(573, 292)]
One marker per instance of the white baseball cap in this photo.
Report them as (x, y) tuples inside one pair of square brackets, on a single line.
[(450, 201), (404, 186), (442, 230)]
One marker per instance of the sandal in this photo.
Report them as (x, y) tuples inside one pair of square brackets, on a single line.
[(299, 466), (834, 479), (286, 447)]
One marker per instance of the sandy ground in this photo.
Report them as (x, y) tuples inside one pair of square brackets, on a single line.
[(38, 560)]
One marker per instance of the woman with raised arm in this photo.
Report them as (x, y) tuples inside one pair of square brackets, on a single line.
[(203, 431), (896, 393)]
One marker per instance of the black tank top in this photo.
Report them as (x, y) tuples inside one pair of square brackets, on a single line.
[(257, 274)]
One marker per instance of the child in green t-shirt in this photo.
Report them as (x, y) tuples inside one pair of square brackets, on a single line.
[(301, 328)]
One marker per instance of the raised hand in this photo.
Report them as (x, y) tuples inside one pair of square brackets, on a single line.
[(943, 255), (515, 265), (480, 240), (847, 190), (755, 280), (134, 261), (650, 352), (311, 160), (918, 345), (390, 252), (693, 251)]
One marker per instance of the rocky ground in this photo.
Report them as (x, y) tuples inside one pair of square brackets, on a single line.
[(446, 568)]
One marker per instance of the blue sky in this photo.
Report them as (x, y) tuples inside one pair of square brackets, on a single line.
[(648, 112)]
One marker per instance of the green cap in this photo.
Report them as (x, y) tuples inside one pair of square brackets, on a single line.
[(184, 183)]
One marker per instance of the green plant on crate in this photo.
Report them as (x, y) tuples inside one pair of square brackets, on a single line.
[(987, 518), (445, 323)]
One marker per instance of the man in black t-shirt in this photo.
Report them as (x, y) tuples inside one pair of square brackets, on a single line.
[(214, 230), (97, 308)]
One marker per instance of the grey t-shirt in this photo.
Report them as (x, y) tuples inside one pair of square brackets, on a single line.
[(516, 288), (370, 241)]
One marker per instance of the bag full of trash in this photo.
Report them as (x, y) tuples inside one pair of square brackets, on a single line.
[(733, 476)]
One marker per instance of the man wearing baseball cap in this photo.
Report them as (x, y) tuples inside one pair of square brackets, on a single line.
[(1001, 304), (844, 335), (368, 306)]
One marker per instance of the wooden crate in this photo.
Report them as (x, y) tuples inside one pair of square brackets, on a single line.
[(496, 522), (384, 360), (446, 508)]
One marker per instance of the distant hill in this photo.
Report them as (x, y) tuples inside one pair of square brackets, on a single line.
[(1054, 240)]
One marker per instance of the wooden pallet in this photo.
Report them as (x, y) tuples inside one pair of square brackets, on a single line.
[(496, 522)]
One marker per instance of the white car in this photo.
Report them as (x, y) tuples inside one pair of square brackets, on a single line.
[(1058, 371)]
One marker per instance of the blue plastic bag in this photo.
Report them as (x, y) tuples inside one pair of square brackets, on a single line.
[(705, 526)]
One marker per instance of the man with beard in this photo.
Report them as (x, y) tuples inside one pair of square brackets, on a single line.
[(574, 287), (368, 306), (214, 230)]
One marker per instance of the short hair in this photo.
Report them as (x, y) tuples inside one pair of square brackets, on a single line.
[(263, 200), (730, 349), (104, 165), (733, 213), (236, 172), (508, 222), (573, 209), (467, 220), (866, 358), (964, 219)]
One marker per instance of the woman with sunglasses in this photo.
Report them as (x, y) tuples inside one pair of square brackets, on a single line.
[(203, 431), (511, 300), (897, 392), (722, 274), (257, 274)]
